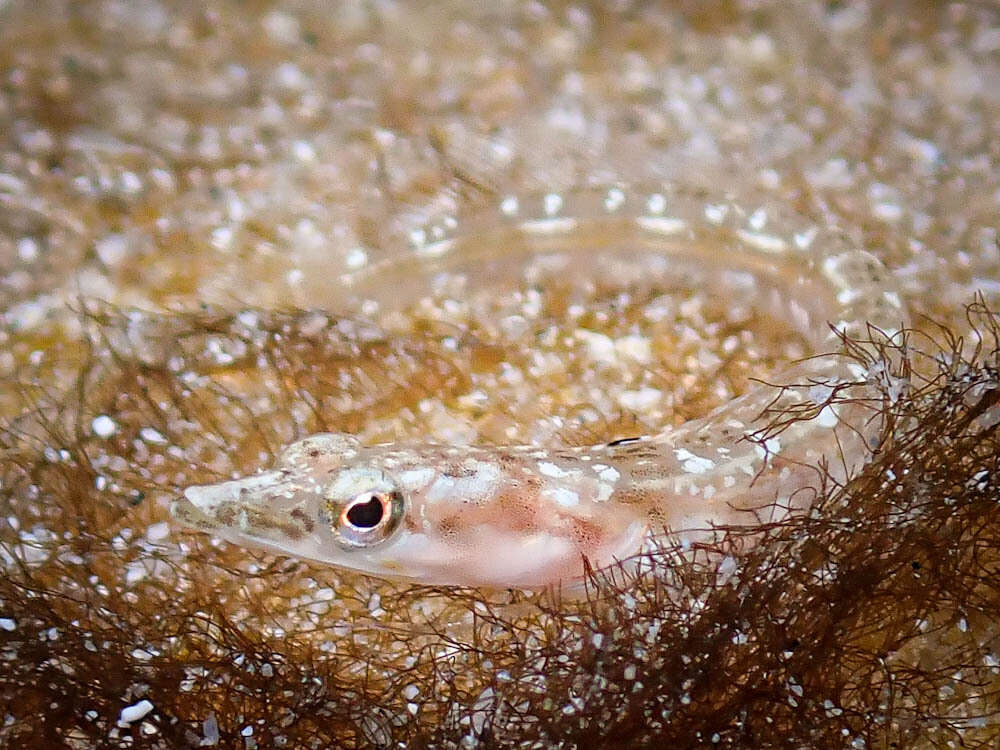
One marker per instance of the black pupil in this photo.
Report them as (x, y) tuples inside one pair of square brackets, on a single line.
[(365, 515)]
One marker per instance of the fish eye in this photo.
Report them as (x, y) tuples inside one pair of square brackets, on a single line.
[(369, 518)]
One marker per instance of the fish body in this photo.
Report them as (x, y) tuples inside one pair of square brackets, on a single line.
[(508, 516), (530, 516)]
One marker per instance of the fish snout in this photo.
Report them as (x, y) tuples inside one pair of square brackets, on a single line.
[(212, 507)]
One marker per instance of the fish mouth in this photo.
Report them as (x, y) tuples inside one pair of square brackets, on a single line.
[(271, 509), (213, 507), (184, 510)]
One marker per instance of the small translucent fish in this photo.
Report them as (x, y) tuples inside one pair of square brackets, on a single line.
[(527, 516)]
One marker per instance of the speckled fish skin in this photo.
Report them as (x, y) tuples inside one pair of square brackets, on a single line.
[(527, 516), (513, 516)]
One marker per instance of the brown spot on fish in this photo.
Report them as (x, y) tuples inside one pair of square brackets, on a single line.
[(304, 518)]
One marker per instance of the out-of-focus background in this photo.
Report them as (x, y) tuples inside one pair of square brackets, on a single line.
[(157, 152)]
